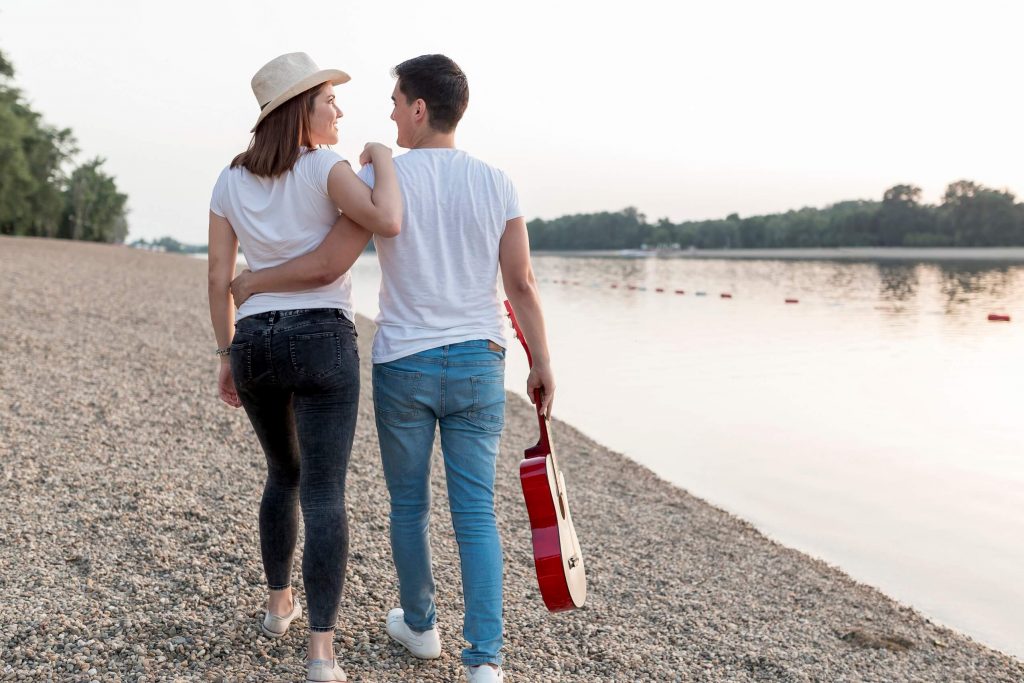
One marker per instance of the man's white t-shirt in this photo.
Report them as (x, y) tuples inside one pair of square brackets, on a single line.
[(279, 219), (439, 276)]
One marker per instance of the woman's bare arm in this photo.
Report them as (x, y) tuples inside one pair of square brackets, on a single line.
[(378, 210), (223, 252)]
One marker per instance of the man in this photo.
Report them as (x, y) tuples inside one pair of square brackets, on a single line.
[(438, 353)]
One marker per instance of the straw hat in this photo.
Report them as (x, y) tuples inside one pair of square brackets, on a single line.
[(284, 77)]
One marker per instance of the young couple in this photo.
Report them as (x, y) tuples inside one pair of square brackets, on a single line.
[(443, 224)]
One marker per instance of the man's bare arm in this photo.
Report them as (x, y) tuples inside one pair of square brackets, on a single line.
[(322, 266), (521, 289)]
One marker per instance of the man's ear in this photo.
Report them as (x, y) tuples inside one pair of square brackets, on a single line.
[(419, 109)]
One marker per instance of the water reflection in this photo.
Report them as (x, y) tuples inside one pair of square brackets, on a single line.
[(897, 282), (963, 285)]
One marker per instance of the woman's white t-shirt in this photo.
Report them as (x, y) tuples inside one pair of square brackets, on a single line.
[(279, 219)]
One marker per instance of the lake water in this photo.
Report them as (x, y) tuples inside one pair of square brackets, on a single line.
[(876, 424)]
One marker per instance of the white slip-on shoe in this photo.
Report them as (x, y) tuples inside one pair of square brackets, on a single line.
[(274, 626), (425, 645), (324, 671), (484, 674)]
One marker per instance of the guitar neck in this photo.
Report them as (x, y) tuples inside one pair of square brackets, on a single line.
[(543, 446)]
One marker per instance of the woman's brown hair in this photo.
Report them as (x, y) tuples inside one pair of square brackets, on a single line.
[(277, 142)]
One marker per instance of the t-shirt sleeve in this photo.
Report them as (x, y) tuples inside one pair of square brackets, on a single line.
[(323, 160), (218, 200), (512, 209), (367, 175)]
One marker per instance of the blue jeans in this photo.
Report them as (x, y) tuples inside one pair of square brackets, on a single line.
[(462, 388)]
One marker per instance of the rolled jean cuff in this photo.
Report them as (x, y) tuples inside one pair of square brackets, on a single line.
[(477, 660), (321, 629)]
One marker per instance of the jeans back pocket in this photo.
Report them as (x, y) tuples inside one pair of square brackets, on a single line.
[(315, 355), (488, 410), (241, 361)]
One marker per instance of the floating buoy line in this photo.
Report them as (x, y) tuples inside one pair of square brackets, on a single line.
[(992, 317)]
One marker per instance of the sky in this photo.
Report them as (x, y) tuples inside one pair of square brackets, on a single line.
[(685, 110)]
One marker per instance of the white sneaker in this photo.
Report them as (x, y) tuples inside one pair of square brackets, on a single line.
[(484, 674), (324, 671), (425, 645), (274, 626)]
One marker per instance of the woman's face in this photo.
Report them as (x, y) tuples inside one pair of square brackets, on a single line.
[(323, 120)]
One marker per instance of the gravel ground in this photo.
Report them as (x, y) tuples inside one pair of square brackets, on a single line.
[(128, 536)]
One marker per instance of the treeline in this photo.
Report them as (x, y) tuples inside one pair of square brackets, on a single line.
[(169, 244), (42, 193), (970, 215)]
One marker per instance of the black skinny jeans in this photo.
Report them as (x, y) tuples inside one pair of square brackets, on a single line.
[(297, 374)]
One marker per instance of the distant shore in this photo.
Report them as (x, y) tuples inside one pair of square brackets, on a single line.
[(991, 254), (129, 546), (953, 254)]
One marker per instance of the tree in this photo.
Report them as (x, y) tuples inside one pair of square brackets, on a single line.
[(902, 195), (901, 215), (6, 68), (975, 215), (94, 209), (37, 198)]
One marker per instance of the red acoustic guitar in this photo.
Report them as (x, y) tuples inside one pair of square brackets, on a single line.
[(556, 550)]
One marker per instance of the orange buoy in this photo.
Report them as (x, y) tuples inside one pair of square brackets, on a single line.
[(792, 301), (726, 295), (659, 289), (997, 317), (680, 291)]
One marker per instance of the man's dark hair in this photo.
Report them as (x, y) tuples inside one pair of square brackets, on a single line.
[(439, 82)]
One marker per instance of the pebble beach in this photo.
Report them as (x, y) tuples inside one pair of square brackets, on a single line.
[(129, 545)]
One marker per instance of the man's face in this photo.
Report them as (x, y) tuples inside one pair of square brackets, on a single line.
[(402, 114)]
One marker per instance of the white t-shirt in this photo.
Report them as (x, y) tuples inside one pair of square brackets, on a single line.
[(279, 219), (439, 276)]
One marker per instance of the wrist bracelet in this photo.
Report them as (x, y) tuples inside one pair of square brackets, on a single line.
[(225, 351)]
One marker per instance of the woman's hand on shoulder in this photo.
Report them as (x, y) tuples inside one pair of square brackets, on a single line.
[(374, 149), (378, 210)]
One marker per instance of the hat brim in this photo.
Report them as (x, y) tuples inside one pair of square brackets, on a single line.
[(334, 76)]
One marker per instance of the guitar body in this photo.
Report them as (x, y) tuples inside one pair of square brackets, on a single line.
[(556, 550)]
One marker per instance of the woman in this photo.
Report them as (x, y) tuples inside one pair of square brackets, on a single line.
[(292, 361)]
